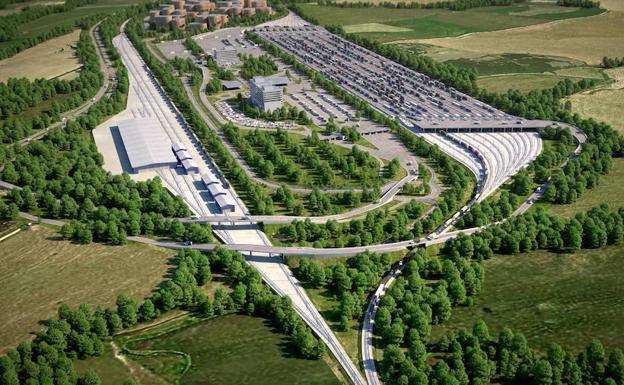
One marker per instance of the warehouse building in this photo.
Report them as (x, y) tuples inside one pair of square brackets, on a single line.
[(146, 143), (266, 93)]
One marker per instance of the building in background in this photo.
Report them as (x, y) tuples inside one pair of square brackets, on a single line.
[(266, 93), (203, 14)]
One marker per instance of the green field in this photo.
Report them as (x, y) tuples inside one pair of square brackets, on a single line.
[(40, 272), (610, 191), (514, 63), (233, 349), (564, 298), (431, 23)]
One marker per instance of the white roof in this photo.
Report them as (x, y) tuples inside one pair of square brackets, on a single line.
[(225, 202), (177, 146), (209, 179), (216, 189), (189, 164), (183, 154), (146, 143)]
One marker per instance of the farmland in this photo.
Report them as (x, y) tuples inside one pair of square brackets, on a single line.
[(252, 353), (41, 272), (438, 23), (564, 298), (47, 60), (585, 39)]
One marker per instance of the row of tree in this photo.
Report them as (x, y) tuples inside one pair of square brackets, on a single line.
[(579, 3), (377, 227), (310, 162), (608, 62)]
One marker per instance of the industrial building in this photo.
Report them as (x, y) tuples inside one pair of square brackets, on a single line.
[(146, 144), (266, 93)]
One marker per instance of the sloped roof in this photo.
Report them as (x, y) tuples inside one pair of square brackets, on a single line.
[(146, 143)]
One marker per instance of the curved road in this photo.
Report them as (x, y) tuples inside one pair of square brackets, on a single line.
[(368, 358)]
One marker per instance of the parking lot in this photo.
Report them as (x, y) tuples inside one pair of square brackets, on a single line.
[(228, 37), (416, 99)]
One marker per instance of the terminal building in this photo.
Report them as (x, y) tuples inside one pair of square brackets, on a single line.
[(221, 195), (266, 93), (147, 144)]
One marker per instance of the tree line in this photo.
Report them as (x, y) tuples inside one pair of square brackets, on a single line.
[(608, 62), (579, 3), (80, 333), (377, 227), (18, 96)]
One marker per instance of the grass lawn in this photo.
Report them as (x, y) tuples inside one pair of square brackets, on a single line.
[(564, 298), (521, 82), (40, 272), (232, 349), (610, 191), (402, 24)]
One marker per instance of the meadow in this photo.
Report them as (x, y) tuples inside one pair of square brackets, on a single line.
[(47, 60), (436, 23), (252, 352), (610, 191), (41, 272), (605, 103), (564, 298)]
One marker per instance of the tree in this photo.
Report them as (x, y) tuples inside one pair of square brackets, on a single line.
[(147, 311), (177, 230), (90, 378), (127, 309), (542, 372)]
